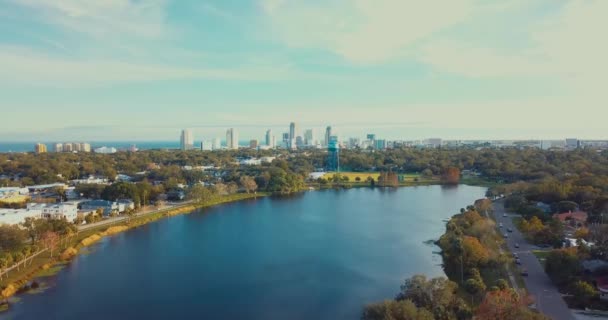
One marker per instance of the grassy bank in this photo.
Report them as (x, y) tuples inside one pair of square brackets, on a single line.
[(45, 265)]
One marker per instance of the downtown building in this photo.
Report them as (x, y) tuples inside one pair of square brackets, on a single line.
[(186, 140), (232, 139)]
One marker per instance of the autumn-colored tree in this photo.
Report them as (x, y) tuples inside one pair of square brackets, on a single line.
[(451, 176), (582, 233), (475, 254), (50, 240), (484, 204), (535, 225), (248, 183), (506, 305)]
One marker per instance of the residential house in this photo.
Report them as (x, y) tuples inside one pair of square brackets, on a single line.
[(572, 219), (108, 207), (68, 211), (125, 204)]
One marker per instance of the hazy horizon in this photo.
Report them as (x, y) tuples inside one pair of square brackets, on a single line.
[(127, 70)]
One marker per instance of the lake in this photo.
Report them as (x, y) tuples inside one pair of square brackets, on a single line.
[(318, 255)]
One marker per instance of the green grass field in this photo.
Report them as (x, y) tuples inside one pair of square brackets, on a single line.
[(352, 176)]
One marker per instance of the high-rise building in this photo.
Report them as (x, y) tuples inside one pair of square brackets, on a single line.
[(293, 130), (67, 147), (186, 140), (270, 140), (206, 145), (253, 143), (85, 147), (327, 135), (40, 148), (309, 137), (232, 139), (217, 144), (371, 136), (380, 144), (58, 147)]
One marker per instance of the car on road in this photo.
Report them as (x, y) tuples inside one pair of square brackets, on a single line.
[(505, 235), (515, 255), (509, 230), (518, 261), (524, 272), (516, 246), (504, 215), (500, 225)]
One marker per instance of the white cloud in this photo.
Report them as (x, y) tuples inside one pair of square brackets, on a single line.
[(362, 31), (105, 18), (19, 66)]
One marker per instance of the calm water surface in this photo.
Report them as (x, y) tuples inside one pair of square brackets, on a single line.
[(319, 255)]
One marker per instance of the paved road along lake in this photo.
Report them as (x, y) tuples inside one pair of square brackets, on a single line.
[(318, 255)]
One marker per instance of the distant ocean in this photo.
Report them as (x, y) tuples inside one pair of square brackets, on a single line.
[(141, 145)]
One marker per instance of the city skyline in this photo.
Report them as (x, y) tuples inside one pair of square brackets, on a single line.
[(536, 72)]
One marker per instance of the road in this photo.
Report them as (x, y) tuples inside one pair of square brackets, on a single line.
[(145, 211), (548, 299)]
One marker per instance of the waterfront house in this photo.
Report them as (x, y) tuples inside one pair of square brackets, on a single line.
[(125, 204), (68, 211), (108, 207)]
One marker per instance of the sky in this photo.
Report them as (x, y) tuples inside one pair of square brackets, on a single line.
[(403, 69)]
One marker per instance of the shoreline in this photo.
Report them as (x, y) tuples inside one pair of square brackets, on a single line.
[(89, 237), (84, 239)]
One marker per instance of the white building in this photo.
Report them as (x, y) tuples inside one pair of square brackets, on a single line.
[(186, 140), (309, 137), (90, 180), (105, 150), (16, 216), (217, 144), (270, 139), (66, 210), (232, 139)]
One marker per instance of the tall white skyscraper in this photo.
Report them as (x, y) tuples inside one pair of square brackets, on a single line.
[(232, 139), (186, 140), (270, 139), (309, 137), (217, 144)]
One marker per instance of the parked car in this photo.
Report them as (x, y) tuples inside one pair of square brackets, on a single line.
[(524, 272), (518, 261), (515, 255)]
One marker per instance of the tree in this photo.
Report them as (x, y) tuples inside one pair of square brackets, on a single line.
[(248, 183), (220, 189), (50, 239), (451, 176), (583, 292), (395, 310), (200, 194), (506, 304), (562, 265), (475, 254), (502, 284), (11, 237), (436, 295)]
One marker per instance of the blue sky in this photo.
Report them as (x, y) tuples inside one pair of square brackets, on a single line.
[(142, 70)]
